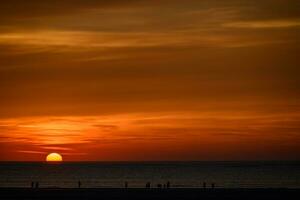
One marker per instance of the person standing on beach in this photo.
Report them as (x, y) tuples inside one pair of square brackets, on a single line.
[(126, 184), (79, 184), (148, 184)]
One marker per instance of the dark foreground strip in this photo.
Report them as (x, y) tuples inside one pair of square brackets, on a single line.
[(133, 194)]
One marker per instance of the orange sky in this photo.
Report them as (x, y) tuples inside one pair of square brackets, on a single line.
[(150, 80)]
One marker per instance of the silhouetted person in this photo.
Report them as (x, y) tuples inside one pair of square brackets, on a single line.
[(148, 184), (37, 185), (32, 184), (212, 185), (79, 184), (168, 184), (126, 184), (204, 185)]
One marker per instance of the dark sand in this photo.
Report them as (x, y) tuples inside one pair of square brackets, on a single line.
[(130, 193)]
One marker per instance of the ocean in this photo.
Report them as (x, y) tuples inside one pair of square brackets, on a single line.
[(229, 174)]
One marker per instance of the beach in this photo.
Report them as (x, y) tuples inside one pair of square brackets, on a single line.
[(153, 193)]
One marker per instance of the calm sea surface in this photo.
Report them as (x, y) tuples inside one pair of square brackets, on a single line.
[(180, 174)]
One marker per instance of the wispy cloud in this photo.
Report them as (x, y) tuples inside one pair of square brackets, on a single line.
[(32, 152), (76, 42), (264, 24), (90, 134)]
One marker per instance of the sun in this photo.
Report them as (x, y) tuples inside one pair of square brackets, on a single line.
[(54, 157)]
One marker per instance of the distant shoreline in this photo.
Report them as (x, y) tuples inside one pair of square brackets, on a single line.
[(160, 161), (152, 193)]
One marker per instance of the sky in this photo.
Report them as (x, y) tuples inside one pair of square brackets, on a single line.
[(140, 80)]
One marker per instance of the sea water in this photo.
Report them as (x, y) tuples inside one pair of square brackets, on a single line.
[(235, 174)]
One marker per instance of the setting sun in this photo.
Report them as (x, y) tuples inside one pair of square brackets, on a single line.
[(54, 157)]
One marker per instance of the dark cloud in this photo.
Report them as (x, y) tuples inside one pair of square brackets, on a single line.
[(18, 9), (133, 15)]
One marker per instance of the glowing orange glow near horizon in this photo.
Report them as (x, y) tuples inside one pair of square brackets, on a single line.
[(135, 136)]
